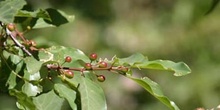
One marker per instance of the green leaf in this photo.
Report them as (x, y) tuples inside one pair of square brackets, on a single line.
[(60, 52), (154, 89), (35, 14), (29, 18), (133, 59), (45, 56), (32, 74), (140, 61), (32, 65), (9, 8), (51, 18), (42, 24), (91, 94), (66, 93), (42, 18), (58, 17), (23, 100), (29, 88), (213, 6), (15, 64), (179, 68), (48, 101)]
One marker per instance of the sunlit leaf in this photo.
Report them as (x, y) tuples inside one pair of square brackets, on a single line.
[(60, 52), (48, 101), (40, 23), (9, 8), (43, 18), (140, 61), (133, 59), (67, 93), (32, 65), (91, 94), (32, 18), (35, 14), (45, 56), (179, 68), (32, 74), (29, 88), (154, 89)]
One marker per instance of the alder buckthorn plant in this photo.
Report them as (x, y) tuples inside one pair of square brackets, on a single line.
[(44, 78)]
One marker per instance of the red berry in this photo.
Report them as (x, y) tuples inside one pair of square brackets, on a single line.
[(68, 73), (11, 27), (93, 56), (68, 59), (88, 66), (101, 78), (103, 64)]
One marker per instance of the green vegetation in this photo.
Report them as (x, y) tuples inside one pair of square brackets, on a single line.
[(44, 54)]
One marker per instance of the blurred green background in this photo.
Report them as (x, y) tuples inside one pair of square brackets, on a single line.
[(175, 30)]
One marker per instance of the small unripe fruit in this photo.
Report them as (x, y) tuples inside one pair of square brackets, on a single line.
[(101, 78), (68, 59), (11, 27), (103, 64), (123, 69), (93, 56), (68, 73), (88, 66), (49, 77), (28, 27)]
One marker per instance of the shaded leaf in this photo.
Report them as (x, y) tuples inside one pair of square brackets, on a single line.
[(15, 64), (179, 68), (48, 101), (213, 6), (154, 89), (23, 100), (67, 93), (9, 8), (58, 17)]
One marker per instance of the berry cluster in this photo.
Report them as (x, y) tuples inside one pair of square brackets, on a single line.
[(93, 65), (10, 30), (28, 46)]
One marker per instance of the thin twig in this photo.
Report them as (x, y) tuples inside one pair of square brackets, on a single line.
[(9, 33)]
